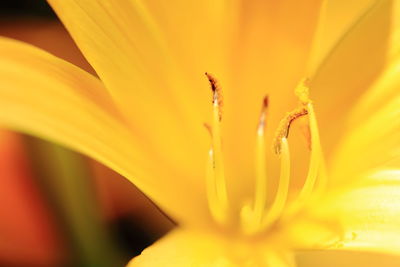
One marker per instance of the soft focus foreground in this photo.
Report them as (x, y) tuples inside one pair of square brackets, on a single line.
[(60, 208)]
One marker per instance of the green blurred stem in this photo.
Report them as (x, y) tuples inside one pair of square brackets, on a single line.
[(70, 186)]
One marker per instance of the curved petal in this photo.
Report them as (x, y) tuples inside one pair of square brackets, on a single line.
[(372, 136), (365, 176), (186, 248), (139, 63), (337, 17), (350, 68), (368, 212), (47, 97)]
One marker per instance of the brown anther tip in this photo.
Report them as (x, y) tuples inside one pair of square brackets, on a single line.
[(217, 94), (292, 116), (262, 122), (284, 127), (213, 81), (265, 102)]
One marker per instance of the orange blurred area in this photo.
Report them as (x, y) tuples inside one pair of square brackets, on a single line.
[(28, 231)]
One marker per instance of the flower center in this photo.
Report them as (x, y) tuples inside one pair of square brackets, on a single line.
[(258, 216)]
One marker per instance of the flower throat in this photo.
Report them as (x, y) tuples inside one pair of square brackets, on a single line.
[(258, 216)]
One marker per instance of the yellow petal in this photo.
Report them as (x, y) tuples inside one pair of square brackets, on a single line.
[(368, 212), (337, 17), (344, 258), (47, 97), (373, 130), (394, 41), (187, 248), (362, 216), (137, 57), (350, 68)]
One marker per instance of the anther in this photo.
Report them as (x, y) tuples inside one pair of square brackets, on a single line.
[(217, 93), (284, 126), (212, 80), (262, 121)]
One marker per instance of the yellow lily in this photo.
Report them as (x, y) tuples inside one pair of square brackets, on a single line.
[(145, 119)]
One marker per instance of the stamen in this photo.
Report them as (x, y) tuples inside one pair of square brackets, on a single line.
[(252, 215), (216, 184), (301, 92), (283, 188)]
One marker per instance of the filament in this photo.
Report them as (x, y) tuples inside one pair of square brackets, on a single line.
[(316, 166), (260, 168), (216, 206), (253, 213), (279, 202), (314, 158)]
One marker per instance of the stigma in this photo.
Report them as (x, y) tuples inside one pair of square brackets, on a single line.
[(259, 215)]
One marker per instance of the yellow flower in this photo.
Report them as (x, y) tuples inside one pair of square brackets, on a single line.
[(145, 119)]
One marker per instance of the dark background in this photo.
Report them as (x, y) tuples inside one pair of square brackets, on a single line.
[(18, 8)]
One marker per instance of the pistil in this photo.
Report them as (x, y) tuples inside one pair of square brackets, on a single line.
[(316, 166)]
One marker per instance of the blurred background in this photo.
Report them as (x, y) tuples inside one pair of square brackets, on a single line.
[(57, 207)]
